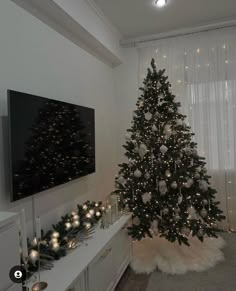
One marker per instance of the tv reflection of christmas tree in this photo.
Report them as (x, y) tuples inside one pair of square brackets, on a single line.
[(59, 150)]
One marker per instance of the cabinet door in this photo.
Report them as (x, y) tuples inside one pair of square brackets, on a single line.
[(101, 271), (80, 284), (122, 243)]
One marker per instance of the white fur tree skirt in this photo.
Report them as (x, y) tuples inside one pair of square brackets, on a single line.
[(172, 258)]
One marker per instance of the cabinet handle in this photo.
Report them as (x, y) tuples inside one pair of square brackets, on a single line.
[(107, 251)]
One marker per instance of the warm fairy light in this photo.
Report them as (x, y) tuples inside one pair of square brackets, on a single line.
[(55, 246), (88, 215), (54, 240), (68, 225), (160, 3), (76, 217), (91, 211), (55, 234), (85, 207), (98, 213)]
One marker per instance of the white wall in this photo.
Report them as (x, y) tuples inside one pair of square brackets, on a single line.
[(36, 59), (127, 92)]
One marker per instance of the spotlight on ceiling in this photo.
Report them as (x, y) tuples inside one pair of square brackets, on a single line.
[(160, 3)]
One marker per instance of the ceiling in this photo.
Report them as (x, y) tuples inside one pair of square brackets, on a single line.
[(135, 18)]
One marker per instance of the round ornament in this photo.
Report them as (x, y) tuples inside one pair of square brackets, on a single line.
[(165, 211), (136, 220), (128, 136), (142, 150), (178, 162), (177, 210), (205, 202), (203, 212), (192, 213), (168, 130), (147, 176), (185, 230), (198, 169), (137, 173), (162, 187), (121, 179), (157, 114), (203, 185), (163, 149), (174, 185), (188, 151), (146, 197), (194, 151), (148, 116), (179, 122), (197, 176), (177, 217)]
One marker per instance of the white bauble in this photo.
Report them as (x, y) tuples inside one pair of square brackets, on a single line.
[(168, 173), (194, 151), (33, 256), (203, 186), (146, 197), (154, 128), (205, 202), (178, 162), (180, 199), (142, 150), (136, 149), (148, 116), (189, 183), (128, 136), (147, 176), (177, 217), (165, 211), (204, 170), (136, 220), (174, 185), (185, 230), (168, 130), (197, 176), (163, 149), (188, 151), (203, 212), (121, 179), (179, 122), (137, 173), (198, 169)]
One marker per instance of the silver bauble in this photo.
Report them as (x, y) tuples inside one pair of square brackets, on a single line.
[(146, 197), (176, 217), (179, 122), (165, 211), (203, 185), (168, 173), (136, 220), (137, 173), (200, 233), (205, 202), (185, 230), (121, 179), (148, 116), (197, 176), (174, 185), (163, 149), (203, 212), (128, 136), (147, 176), (178, 161)]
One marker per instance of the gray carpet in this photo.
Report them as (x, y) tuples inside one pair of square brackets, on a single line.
[(220, 278)]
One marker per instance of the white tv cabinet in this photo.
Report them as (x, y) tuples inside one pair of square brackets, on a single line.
[(9, 249), (97, 266)]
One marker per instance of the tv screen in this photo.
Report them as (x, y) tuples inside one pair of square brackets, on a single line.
[(51, 142)]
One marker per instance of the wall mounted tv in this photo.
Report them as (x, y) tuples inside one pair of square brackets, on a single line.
[(51, 143)]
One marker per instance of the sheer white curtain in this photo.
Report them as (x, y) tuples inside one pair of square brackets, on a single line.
[(202, 70)]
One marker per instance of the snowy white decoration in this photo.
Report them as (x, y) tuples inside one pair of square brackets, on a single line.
[(192, 213), (147, 176), (148, 116), (174, 185), (162, 187), (171, 258), (203, 212), (154, 227), (142, 150), (163, 149), (179, 122), (154, 128), (137, 173), (168, 130), (165, 211), (203, 185), (185, 230), (180, 199), (136, 220), (128, 136), (146, 197)]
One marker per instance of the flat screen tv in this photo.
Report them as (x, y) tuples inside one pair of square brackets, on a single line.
[(51, 143)]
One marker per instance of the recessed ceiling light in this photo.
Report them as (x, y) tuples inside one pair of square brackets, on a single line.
[(160, 3)]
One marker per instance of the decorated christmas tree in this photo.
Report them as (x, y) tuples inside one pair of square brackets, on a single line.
[(164, 183)]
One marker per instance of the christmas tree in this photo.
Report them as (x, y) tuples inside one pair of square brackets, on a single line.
[(164, 183)]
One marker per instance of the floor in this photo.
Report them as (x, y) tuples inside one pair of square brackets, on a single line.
[(133, 282), (220, 278)]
